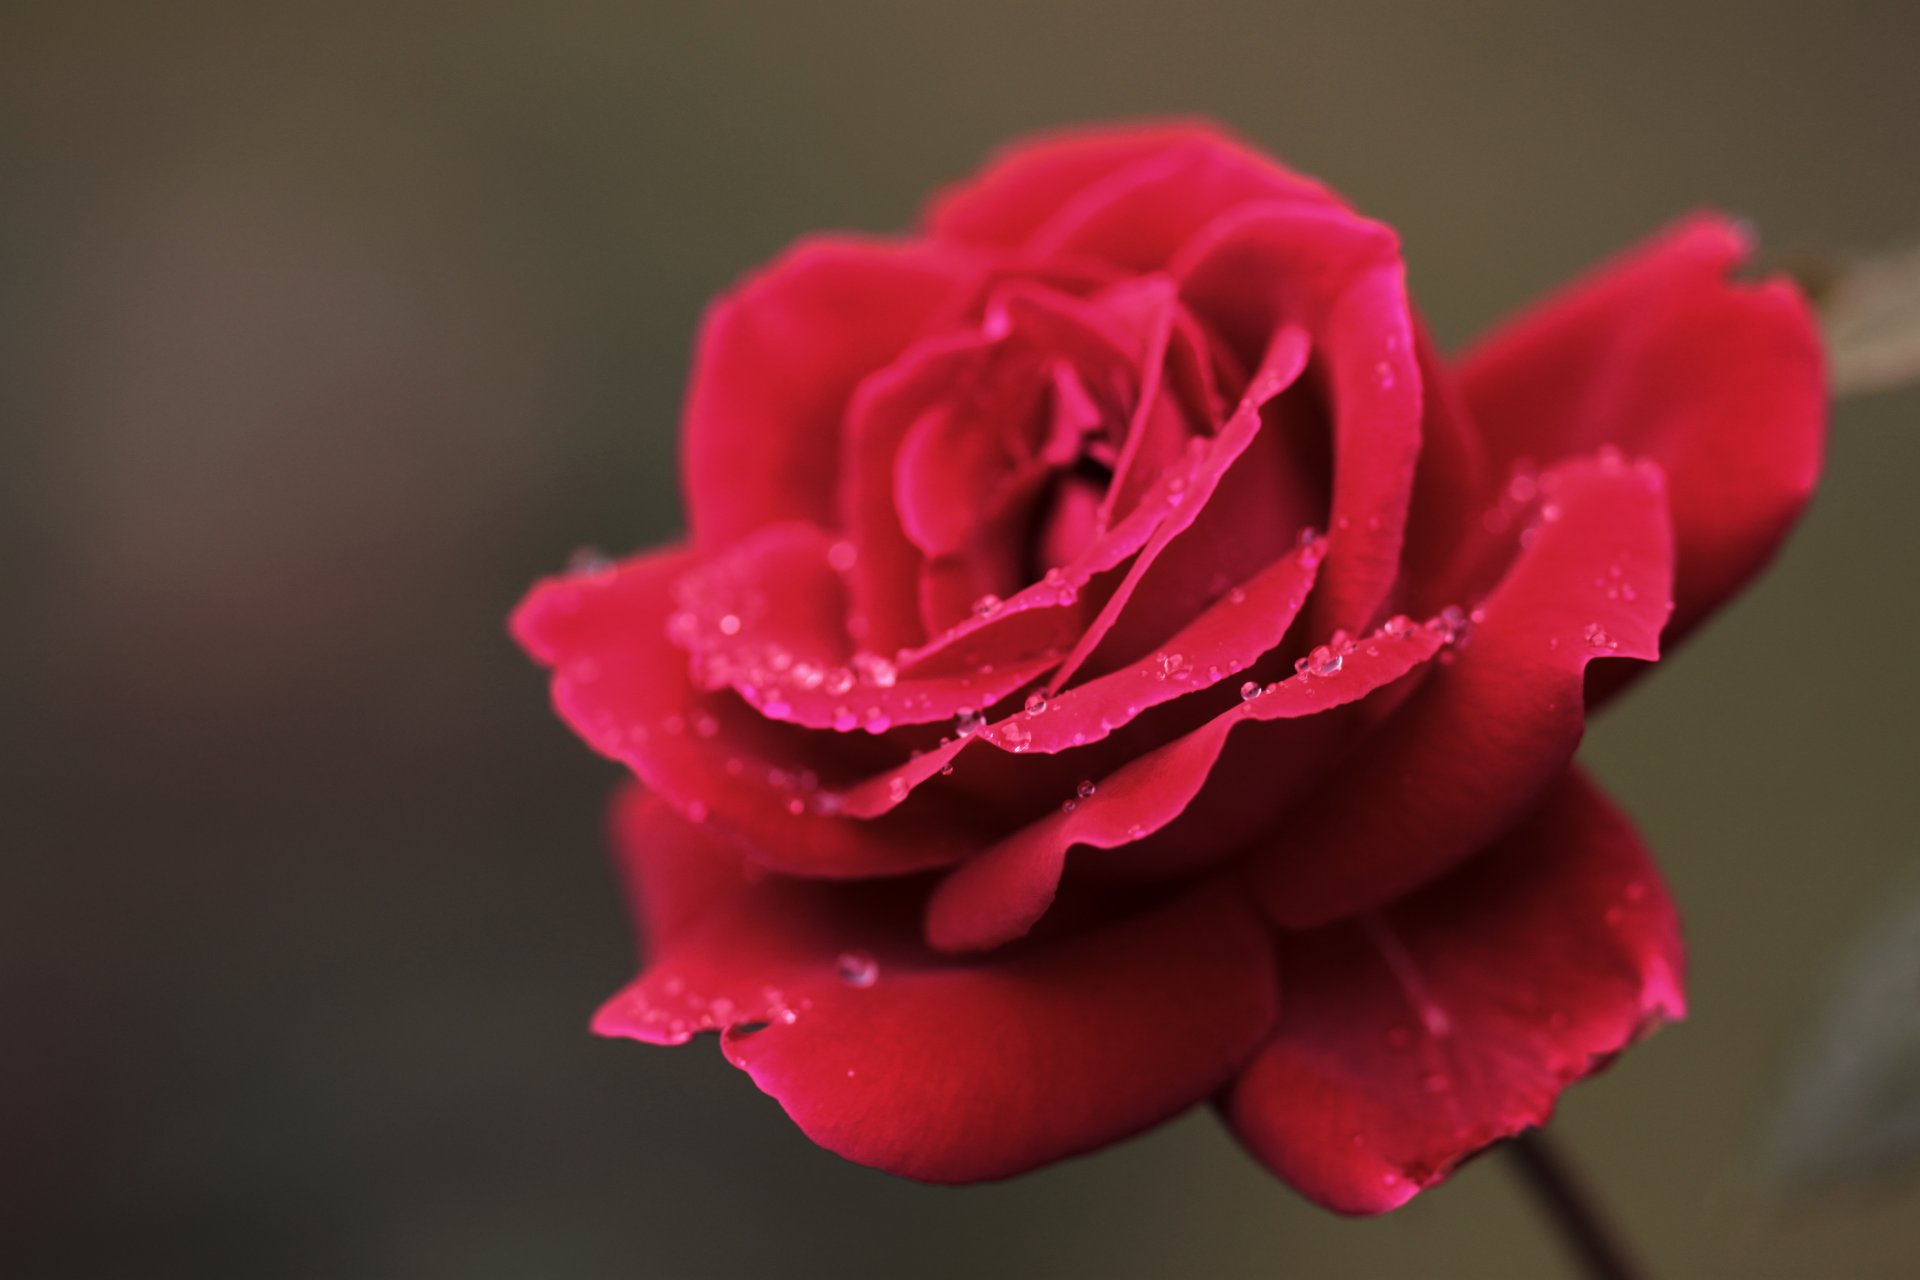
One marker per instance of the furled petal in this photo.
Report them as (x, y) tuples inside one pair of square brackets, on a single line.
[(959, 1072), (1025, 185), (775, 363), (1663, 355), (884, 577), (997, 896), (1340, 276), (1185, 491), (1473, 747), (1411, 1038)]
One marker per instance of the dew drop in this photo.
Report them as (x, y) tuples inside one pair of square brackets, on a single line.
[(986, 606), (1036, 703), (1085, 789), (1599, 639), (1250, 690), (1324, 661), (858, 968)]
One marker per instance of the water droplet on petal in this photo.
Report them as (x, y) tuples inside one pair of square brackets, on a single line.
[(1085, 789), (1599, 640), (1250, 690), (986, 606), (1324, 661), (1036, 703), (858, 968)]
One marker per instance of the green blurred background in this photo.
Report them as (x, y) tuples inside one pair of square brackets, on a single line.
[(324, 329)]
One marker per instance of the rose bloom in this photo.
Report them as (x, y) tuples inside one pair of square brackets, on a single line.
[(1117, 663)]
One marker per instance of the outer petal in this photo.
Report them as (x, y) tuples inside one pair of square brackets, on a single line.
[(1025, 185), (624, 688), (775, 364), (962, 1072), (1412, 1038), (674, 872), (1473, 747), (1662, 355)]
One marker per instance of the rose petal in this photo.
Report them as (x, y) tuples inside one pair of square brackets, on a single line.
[(775, 363), (999, 895), (1247, 621), (674, 872), (884, 577), (620, 683), (1341, 276), (1412, 1038), (1451, 487), (1140, 216), (951, 1072), (1184, 492), (1024, 185), (767, 617), (1663, 355), (1473, 747)]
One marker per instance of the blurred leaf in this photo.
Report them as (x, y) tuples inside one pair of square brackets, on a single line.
[(1870, 315), (1852, 1110)]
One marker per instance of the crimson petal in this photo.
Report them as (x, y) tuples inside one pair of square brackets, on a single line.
[(999, 895), (1662, 355), (1023, 186), (960, 1072), (775, 363), (1473, 747), (620, 683), (1412, 1038), (1341, 276)]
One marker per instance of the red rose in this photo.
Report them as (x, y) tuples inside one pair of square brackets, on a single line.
[(1118, 663)]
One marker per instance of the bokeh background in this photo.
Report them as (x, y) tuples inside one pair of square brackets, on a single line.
[(325, 328)]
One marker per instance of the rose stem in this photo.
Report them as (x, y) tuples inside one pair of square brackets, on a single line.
[(1582, 1227)]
